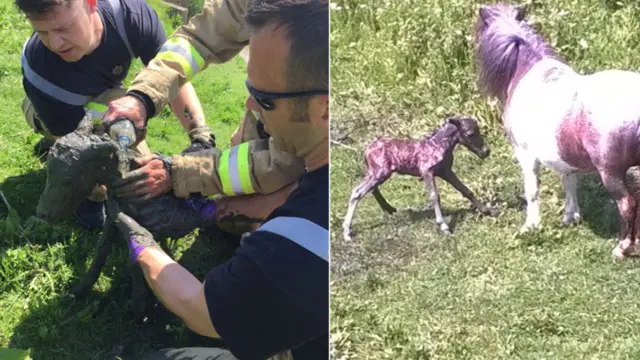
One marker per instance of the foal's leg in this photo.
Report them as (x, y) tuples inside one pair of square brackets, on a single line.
[(571, 207), (430, 181), (450, 177), (614, 182), (382, 201), (357, 194), (82, 288), (530, 171)]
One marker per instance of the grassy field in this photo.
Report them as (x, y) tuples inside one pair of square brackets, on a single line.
[(38, 267), (401, 290)]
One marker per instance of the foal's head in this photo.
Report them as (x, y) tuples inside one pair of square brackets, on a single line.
[(469, 135), (77, 163)]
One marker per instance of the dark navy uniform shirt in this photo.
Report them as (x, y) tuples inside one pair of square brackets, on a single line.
[(106, 67), (273, 295)]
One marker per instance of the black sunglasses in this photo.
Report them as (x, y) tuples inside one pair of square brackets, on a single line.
[(265, 99)]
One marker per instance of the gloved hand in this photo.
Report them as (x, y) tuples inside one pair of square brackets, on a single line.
[(137, 237), (201, 139)]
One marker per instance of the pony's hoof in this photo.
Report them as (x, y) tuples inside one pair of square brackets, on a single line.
[(445, 229), (390, 210), (618, 253), (489, 211), (79, 291), (346, 236), (526, 228), (625, 248), (569, 220)]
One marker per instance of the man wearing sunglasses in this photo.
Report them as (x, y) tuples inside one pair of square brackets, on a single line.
[(257, 163), (271, 298), (75, 62)]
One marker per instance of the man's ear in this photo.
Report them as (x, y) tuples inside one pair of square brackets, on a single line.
[(319, 110), (325, 99), (92, 4)]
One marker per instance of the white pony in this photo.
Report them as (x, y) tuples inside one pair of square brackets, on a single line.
[(559, 118)]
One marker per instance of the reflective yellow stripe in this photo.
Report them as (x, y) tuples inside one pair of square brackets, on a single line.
[(196, 56), (184, 54), (243, 168), (184, 64), (223, 172), (234, 171)]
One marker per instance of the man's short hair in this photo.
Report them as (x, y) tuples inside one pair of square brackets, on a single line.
[(306, 26), (39, 8)]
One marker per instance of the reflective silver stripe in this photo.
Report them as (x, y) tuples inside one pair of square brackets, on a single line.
[(48, 88), (234, 172), (185, 54), (117, 12), (95, 114), (303, 232)]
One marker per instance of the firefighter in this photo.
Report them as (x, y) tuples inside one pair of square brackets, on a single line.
[(256, 163), (75, 62), (271, 299)]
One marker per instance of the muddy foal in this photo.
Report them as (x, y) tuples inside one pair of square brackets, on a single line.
[(78, 162), (428, 158)]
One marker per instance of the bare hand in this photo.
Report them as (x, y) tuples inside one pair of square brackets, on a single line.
[(145, 183), (236, 138), (130, 108)]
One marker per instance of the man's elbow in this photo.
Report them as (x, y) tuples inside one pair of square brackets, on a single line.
[(199, 326), (196, 317)]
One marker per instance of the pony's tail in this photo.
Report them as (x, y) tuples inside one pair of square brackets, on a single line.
[(498, 55)]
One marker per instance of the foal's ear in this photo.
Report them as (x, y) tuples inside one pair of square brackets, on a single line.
[(454, 120), (103, 150), (521, 12)]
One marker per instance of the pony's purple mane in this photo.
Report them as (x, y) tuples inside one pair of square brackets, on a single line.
[(506, 46)]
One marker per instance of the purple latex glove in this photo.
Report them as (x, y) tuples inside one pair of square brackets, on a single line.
[(138, 238)]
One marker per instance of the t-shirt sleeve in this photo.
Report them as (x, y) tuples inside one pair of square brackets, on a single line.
[(259, 306), (147, 33), (59, 118)]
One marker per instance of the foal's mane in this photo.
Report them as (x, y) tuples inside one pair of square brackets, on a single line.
[(440, 132), (505, 47)]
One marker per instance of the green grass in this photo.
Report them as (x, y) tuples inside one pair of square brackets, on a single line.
[(401, 290), (38, 267)]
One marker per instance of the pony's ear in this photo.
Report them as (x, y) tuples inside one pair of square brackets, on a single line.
[(485, 13), (521, 12)]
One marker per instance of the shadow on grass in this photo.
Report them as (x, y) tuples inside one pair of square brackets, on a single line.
[(23, 192), (599, 210), (428, 215), (100, 325)]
